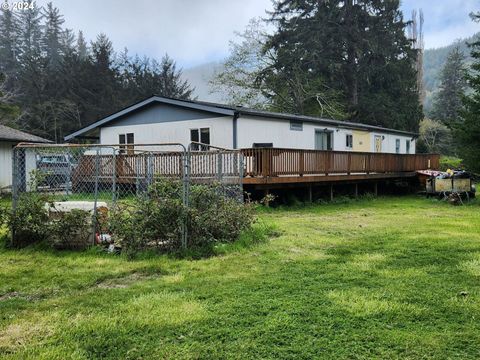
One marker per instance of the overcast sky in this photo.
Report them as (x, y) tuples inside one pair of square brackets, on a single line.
[(197, 31)]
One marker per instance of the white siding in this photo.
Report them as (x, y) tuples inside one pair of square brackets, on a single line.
[(389, 143), (5, 164), (277, 131), (221, 132), (250, 130), (6, 153)]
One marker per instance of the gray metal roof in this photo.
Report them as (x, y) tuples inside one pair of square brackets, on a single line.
[(230, 110), (14, 135)]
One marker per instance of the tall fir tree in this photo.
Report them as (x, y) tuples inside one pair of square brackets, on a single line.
[(170, 81), (82, 47), (9, 46), (358, 48), (453, 83), (467, 131)]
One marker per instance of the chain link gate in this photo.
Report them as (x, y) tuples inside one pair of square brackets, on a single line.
[(111, 173)]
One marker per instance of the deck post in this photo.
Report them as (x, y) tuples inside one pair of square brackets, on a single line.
[(310, 194), (331, 192), (376, 188), (356, 190)]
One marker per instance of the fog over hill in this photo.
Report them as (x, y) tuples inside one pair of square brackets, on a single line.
[(199, 77)]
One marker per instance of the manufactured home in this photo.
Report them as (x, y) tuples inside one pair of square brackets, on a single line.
[(165, 120), (9, 138)]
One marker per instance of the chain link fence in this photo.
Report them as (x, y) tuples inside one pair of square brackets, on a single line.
[(93, 175)]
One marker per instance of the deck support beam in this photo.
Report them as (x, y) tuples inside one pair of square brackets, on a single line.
[(310, 193), (356, 190), (375, 188), (331, 192)]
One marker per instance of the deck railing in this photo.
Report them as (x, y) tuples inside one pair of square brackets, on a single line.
[(257, 163), (271, 162)]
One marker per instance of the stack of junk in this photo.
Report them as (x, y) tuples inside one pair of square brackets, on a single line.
[(450, 184)]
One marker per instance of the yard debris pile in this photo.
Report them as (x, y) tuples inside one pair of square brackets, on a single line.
[(451, 185)]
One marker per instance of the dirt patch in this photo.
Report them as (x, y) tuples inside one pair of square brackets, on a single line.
[(10, 295), (125, 281)]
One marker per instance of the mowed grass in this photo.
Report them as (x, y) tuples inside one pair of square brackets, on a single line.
[(384, 278)]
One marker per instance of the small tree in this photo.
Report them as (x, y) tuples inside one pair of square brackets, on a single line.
[(435, 136)]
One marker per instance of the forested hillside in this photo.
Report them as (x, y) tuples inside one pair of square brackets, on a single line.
[(53, 81), (434, 60)]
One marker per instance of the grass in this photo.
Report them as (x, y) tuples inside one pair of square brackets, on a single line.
[(382, 278)]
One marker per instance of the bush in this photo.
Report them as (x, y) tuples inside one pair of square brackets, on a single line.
[(450, 162), (156, 220), (71, 230), (214, 217), (28, 223)]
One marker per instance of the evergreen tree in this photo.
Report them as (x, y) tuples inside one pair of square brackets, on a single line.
[(52, 35), (30, 33), (9, 47), (448, 101), (82, 49), (467, 131), (54, 84), (170, 81), (356, 48)]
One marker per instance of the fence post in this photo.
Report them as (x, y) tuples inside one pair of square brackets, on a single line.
[(14, 178), (97, 171), (114, 177), (137, 174), (186, 190), (69, 173)]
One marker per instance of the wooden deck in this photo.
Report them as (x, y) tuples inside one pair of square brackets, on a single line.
[(261, 166), (289, 166)]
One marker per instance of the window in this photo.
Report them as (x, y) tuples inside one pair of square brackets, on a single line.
[(200, 135), (349, 141), (126, 142), (296, 125), (407, 146), (397, 146), (323, 140)]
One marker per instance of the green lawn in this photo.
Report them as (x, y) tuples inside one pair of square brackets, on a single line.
[(385, 278)]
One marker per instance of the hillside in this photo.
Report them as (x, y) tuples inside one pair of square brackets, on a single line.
[(434, 60)]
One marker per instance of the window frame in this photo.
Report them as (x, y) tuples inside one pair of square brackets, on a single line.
[(397, 146), (296, 125), (198, 131), (125, 145), (347, 138)]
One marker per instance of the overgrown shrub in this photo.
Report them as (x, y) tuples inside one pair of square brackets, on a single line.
[(71, 230), (29, 222), (156, 220), (214, 217)]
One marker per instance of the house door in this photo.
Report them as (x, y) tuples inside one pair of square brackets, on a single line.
[(378, 143), (323, 140)]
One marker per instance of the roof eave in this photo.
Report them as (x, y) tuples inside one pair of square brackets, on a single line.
[(221, 111)]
